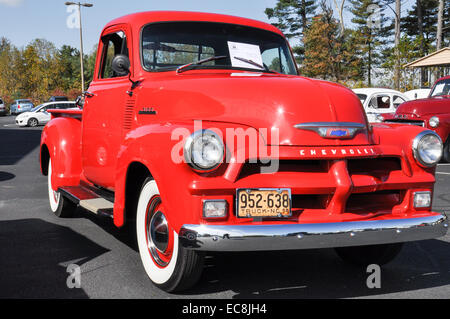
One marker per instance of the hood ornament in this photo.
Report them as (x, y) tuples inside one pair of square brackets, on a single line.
[(333, 130)]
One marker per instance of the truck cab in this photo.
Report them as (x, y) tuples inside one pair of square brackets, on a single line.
[(198, 132)]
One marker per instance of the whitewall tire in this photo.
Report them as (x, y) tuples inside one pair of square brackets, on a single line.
[(168, 265), (59, 205)]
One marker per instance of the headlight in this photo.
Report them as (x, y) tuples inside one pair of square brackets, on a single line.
[(434, 122), (428, 148), (204, 150), (380, 118)]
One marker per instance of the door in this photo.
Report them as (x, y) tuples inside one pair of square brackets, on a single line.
[(103, 109)]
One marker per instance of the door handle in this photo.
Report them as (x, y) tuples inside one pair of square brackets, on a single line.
[(88, 94)]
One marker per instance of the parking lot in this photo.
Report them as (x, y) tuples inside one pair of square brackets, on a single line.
[(36, 248)]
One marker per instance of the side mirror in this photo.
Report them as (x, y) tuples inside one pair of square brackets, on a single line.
[(79, 102), (121, 65)]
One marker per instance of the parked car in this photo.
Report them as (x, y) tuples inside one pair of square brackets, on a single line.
[(418, 94), (21, 106), (379, 101), (39, 115), (189, 137), (2, 108), (58, 99), (432, 113)]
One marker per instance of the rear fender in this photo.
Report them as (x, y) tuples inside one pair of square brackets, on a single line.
[(62, 138)]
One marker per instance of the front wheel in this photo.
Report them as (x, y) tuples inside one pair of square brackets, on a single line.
[(446, 154), (169, 266), (59, 205), (33, 122), (368, 255)]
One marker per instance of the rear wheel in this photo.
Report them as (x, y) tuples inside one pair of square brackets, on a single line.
[(168, 265), (59, 205), (33, 122), (368, 255)]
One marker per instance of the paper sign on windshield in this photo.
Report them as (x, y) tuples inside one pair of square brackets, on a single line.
[(243, 54)]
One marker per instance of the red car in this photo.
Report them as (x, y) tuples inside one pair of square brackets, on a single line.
[(198, 132), (432, 113)]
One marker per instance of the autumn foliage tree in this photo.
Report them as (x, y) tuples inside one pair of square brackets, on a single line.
[(329, 54), (40, 70)]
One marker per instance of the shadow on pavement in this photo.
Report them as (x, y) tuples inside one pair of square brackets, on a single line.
[(34, 256), (16, 144), (321, 274), (4, 176)]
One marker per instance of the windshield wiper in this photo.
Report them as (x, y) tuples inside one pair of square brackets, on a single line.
[(263, 67), (187, 67)]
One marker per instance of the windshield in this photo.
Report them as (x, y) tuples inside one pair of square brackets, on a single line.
[(362, 98), (37, 108), (167, 46), (441, 88)]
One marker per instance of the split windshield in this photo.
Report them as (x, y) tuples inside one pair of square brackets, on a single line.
[(167, 46), (441, 88)]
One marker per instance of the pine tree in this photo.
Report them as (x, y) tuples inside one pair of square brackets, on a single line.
[(292, 17), (369, 37)]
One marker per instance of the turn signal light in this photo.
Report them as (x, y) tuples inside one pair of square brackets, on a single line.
[(422, 199), (215, 208)]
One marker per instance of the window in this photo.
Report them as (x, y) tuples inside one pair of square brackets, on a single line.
[(113, 44), (380, 102), (167, 46), (442, 88), (398, 100), (362, 98)]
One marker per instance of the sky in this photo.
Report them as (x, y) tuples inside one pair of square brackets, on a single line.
[(21, 21)]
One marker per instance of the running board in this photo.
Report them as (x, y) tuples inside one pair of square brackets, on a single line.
[(89, 198)]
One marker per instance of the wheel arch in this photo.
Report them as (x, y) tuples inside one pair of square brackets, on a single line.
[(136, 174)]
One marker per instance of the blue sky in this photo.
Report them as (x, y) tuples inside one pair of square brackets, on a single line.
[(21, 21)]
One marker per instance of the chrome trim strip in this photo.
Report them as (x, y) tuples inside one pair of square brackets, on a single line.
[(322, 128), (329, 124), (310, 236)]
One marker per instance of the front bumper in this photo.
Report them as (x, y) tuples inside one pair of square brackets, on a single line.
[(311, 236)]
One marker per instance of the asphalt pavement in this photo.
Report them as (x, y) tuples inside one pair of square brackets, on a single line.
[(36, 248)]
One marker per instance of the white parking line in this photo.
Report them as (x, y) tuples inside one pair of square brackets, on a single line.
[(442, 173)]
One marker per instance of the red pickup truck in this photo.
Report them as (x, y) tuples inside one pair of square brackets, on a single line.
[(199, 133), (432, 113)]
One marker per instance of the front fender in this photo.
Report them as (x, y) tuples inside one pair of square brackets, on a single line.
[(62, 138), (152, 146)]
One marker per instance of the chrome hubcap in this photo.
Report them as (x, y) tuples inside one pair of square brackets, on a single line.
[(157, 233)]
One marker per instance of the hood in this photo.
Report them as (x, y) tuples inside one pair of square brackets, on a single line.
[(423, 107), (260, 101), (24, 115)]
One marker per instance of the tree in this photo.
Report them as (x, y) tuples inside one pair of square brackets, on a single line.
[(292, 17), (369, 35), (328, 53), (440, 24)]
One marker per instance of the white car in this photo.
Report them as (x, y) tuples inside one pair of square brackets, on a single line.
[(418, 94), (39, 115), (2, 108), (377, 101)]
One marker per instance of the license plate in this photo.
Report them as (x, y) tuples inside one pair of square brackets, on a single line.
[(253, 203)]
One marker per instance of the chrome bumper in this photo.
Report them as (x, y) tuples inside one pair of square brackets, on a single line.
[(310, 236)]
